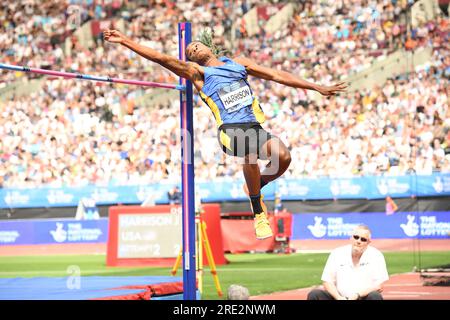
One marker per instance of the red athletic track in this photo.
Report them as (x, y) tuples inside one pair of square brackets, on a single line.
[(301, 245), (381, 244), (407, 286), (53, 249)]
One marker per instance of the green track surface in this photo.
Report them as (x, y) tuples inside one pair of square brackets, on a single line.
[(260, 273)]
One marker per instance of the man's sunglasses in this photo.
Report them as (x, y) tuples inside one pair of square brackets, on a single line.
[(356, 237)]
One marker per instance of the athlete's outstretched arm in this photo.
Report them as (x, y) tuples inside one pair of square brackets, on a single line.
[(179, 67), (287, 78)]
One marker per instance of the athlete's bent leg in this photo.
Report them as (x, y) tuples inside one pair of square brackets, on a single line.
[(280, 158)]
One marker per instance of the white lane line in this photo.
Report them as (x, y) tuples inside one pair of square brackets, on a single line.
[(5, 273), (409, 292), (386, 296), (403, 285)]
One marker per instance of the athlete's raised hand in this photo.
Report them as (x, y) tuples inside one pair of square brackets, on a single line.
[(332, 90), (113, 36)]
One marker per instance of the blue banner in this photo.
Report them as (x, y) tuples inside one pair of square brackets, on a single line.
[(53, 231), (424, 225), (374, 187)]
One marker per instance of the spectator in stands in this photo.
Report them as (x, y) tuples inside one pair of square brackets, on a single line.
[(44, 135), (353, 272), (410, 169), (391, 206), (222, 85), (174, 195)]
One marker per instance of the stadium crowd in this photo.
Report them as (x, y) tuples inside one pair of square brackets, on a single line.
[(73, 133)]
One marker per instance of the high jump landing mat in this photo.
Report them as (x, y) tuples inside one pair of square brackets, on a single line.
[(92, 288)]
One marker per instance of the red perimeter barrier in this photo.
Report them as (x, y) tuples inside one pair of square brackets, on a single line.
[(239, 234)]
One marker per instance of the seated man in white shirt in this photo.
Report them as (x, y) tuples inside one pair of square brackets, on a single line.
[(353, 272)]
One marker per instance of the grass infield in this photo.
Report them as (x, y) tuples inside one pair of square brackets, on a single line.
[(260, 273)]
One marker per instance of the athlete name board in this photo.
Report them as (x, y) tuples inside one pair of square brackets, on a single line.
[(156, 235), (139, 234)]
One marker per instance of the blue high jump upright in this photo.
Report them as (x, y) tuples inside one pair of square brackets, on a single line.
[(187, 149), (187, 172)]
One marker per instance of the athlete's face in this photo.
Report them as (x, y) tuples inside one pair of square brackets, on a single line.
[(198, 52)]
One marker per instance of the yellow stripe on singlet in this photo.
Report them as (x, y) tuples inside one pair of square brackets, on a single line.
[(257, 111), (225, 140), (213, 106)]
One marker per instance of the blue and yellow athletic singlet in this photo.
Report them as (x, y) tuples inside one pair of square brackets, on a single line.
[(228, 94)]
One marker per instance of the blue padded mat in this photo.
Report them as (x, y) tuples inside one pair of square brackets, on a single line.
[(93, 287)]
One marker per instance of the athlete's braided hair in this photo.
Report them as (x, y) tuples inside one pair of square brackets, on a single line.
[(206, 37)]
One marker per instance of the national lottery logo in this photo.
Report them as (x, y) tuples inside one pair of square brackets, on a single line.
[(335, 189), (382, 187), (344, 188), (318, 229), (59, 235), (292, 188), (438, 185), (283, 188), (104, 195), (411, 228), (16, 197), (335, 227), (387, 186), (235, 191), (74, 232), (58, 196), (144, 193)]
